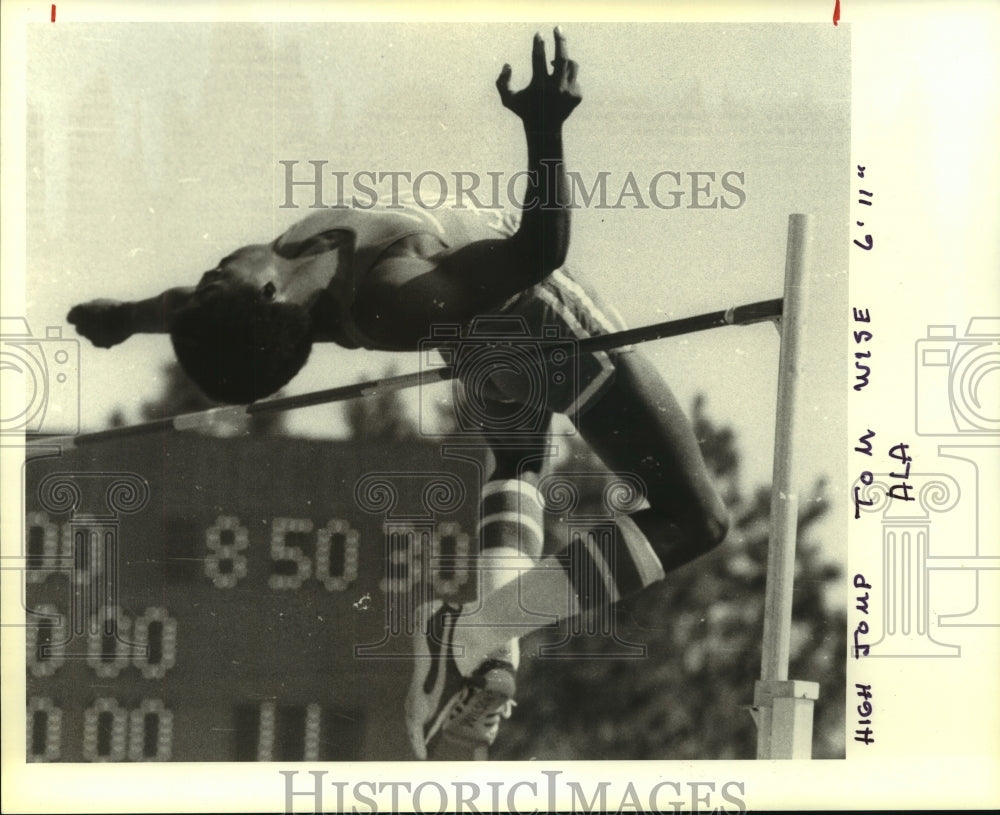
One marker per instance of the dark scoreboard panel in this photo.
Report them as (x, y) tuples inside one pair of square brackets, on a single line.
[(204, 599)]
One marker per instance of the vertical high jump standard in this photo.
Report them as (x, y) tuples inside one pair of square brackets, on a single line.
[(783, 708)]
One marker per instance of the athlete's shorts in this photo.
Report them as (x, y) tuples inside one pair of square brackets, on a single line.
[(556, 314)]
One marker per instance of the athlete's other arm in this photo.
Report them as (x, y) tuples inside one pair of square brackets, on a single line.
[(108, 322), (411, 290)]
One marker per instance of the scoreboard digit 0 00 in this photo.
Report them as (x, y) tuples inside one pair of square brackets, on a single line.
[(193, 598)]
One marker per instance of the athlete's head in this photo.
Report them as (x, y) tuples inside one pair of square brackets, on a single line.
[(236, 339)]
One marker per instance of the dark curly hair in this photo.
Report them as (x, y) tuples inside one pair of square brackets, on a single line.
[(238, 346)]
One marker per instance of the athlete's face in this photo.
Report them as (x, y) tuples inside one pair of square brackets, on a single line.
[(250, 266)]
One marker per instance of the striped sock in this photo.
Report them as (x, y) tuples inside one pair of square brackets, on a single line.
[(597, 569), (511, 537), (603, 567)]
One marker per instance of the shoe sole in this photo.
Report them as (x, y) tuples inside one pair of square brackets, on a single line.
[(499, 688)]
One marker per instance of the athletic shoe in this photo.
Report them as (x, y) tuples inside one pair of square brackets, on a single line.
[(473, 715), (442, 703)]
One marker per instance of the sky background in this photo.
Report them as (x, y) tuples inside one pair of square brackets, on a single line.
[(153, 151)]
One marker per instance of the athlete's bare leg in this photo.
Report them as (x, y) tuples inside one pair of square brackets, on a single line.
[(638, 427)]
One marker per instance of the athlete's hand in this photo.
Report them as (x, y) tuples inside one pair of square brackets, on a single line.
[(549, 99), (104, 322)]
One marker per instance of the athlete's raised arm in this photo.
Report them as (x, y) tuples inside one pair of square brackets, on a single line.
[(404, 294), (542, 107)]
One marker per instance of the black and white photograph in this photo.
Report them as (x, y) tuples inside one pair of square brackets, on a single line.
[(418, 412)]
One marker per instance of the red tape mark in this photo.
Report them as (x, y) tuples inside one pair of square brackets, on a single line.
[(53, 12), (836, 12)]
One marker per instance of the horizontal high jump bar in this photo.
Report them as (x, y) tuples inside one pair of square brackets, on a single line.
[(760, 311)]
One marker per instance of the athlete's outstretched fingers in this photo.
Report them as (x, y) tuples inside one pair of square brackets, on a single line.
[(561, 52), (538, 70), (559, 63), (503, 85), (548, 99)]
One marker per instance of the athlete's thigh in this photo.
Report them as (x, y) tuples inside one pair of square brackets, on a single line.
[(637, 426)]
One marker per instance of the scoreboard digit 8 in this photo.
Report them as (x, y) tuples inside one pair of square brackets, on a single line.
[(193, 598)]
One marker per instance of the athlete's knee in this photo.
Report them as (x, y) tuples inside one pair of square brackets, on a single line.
[(717, 527), (703, 523), (711, 526), (702, 519)]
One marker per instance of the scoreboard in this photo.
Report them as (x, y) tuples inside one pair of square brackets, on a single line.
[(192, 598)]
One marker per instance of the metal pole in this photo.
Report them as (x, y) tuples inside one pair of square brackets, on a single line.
[(783, 708)]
